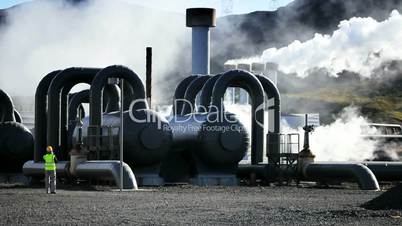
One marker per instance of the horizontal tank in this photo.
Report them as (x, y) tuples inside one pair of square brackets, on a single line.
[(216, 139), (147, 136), (16, 146)]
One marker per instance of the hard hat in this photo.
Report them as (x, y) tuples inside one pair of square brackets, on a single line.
[(49, 148)]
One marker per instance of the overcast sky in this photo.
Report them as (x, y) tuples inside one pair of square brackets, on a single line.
[(239, 6)]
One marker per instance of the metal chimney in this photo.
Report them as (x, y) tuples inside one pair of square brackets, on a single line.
[(200, 20), (258, 68)]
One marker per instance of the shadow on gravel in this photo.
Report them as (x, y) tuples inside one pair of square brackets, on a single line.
[(389, 200)]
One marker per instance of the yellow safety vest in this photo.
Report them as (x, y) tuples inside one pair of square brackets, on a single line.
[(49, 162)]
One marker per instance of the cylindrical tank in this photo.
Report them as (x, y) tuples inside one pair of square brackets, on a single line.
[(216, 142), (147, 136), (16, 146)]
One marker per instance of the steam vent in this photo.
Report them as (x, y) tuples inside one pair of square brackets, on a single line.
[(259, 120)]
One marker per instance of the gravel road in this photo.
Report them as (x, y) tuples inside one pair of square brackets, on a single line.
[(193, 206)]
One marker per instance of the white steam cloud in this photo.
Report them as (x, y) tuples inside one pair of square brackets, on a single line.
[(359, 45), (342, 140), (43, 36)]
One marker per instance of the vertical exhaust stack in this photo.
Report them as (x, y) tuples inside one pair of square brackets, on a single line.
[(258, 68), (149, 75), (200, 20), (272, 71)]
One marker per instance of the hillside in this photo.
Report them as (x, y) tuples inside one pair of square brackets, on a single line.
[(378, 97)]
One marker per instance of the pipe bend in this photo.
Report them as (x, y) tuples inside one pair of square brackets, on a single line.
[(100, 80), (107, 170), (191, 93), (40, 115), (180, 92), (359, 172), (206, 93), (7, 108)]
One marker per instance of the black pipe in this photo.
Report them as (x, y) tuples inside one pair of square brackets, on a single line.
[(386, 171), (191, 93), (6, 104), (252, 85), (206, 93), (149, 75), (75, 103), (179, 94), (40, 115), (17, 116), (62, 83), (359, 172), (273, 138), (100, 80)]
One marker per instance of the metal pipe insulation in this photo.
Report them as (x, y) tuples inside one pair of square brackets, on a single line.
[(40, 115), (249, 82), (107, 170), (115, 71), (7, 108), (386, 171), (273, 139), (355, 171), (179, 94), (191, 93), (200, 20), (62, 83)]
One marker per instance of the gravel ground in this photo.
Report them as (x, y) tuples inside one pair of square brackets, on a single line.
[(193, 206)]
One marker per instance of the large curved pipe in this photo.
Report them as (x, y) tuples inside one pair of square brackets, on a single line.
[(107, 170), (18, 117), (358, 172), (249, 82), (386, 171), (206, 93), (74, 105), (179, 93), (62, 83), (191, 93), (40, 115), (6, 104), (116, 71), (273, 138)]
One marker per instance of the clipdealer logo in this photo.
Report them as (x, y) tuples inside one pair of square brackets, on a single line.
[(213, 115)]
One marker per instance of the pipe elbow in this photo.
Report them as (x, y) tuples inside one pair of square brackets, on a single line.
[(356, 171)]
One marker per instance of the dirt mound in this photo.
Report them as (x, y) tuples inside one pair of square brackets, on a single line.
[(391, 199)]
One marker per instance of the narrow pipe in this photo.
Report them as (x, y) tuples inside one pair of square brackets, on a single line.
[(252, 85), (116, 71), (358, 172), (149, 75), (62, 83), (40, 115), (107, 170), (191, 93), (6, 104), (179, 94)]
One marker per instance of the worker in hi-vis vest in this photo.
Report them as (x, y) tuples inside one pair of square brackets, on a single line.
[(50, 170)]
